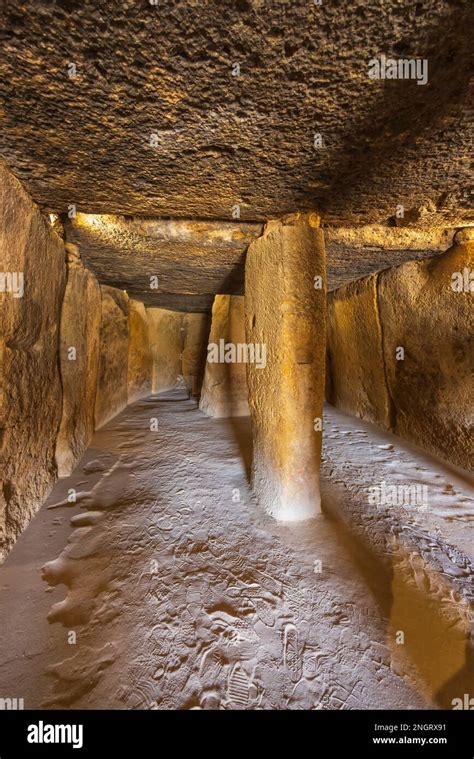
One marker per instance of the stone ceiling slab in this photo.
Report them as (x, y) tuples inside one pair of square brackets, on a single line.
[(189, 108), (355, 252), (181, 265), (161, 262)]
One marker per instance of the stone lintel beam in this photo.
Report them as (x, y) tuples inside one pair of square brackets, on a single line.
[(174, 264)]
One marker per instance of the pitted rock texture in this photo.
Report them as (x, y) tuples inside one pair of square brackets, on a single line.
[(196, 335), (30, 392), (164, 263), (141, 109), (224, 390), (79, 353), (285, 311), (166, 340), (354, 252), (432, 387), (423, 349), (140, 357), (111, 395)]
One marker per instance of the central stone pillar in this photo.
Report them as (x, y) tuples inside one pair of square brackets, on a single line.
[(285, 312)]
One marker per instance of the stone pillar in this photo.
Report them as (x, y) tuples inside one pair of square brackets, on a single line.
[(285, 310), (224, 390)]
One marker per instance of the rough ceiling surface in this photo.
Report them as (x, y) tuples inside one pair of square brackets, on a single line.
[(189, 108), (182, 264), (171, 264)]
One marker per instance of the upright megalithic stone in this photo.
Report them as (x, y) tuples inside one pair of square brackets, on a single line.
[(196, 333), (111, 397), (224, 389), (32, 279), (140, 357), (166, 340), (285, 311), (79, 357)]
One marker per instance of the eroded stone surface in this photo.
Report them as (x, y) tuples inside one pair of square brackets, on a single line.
[(173, 264), (166, 340), (224, 390), (162, 114), (140, 357), (114, 339), (31, 394), (285, 307), (432, 387), (356, 372), (423, 353), (196, 335), (354, 252), (79, 353)]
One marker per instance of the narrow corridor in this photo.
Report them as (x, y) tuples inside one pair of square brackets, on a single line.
[(184, 594)]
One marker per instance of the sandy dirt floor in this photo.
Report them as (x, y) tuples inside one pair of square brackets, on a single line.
[(165, 587)]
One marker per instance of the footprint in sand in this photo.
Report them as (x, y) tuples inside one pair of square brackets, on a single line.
[(211, 667), (255, 602), (291, 652), (242, 693), (232, 630)]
